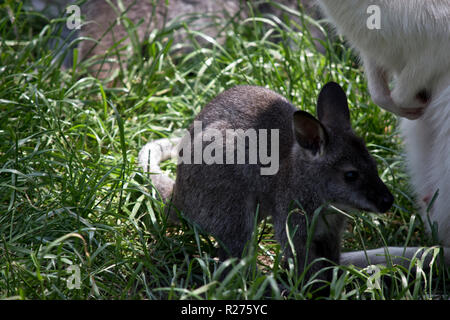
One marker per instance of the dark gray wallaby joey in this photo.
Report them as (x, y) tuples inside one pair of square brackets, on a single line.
[(298, 164)]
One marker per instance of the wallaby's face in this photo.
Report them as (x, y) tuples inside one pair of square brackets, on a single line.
[(337, 157)]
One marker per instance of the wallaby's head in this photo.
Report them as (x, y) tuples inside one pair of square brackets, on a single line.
[(336, 157)]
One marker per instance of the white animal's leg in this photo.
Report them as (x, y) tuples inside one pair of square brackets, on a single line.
[(418, 136), (440, 211), (440, 167)]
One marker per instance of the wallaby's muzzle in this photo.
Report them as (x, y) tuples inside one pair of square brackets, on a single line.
[(382, 198), (385, 203)]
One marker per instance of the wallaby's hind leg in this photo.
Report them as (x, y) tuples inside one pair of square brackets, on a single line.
[(233, 233), (297, 224), (225, 211), (325, 242), (279, 223)]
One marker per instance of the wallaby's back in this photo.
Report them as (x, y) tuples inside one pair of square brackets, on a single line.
[(239, 108)]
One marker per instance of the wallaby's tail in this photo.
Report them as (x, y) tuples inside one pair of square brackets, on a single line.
[(151, 155), (395, 255)]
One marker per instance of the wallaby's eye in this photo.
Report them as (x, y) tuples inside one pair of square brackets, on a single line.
[(351, 176)]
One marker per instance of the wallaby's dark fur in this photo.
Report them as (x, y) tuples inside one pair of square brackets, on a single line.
[(320, 162)]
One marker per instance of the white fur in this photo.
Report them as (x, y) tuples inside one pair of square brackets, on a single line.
[(412, 46), (427, 145), (154, 152)]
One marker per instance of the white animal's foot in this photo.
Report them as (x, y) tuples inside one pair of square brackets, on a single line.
[(411, 114)]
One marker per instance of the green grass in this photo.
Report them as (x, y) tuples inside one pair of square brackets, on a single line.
[(71, 192)]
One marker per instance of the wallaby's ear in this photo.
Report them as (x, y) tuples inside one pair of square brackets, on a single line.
[(332, 107), (309, 132)]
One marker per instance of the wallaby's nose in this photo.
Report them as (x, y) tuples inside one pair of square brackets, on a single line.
[(385, 202)]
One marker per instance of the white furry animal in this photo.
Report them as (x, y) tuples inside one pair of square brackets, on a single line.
[(412, 47)]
